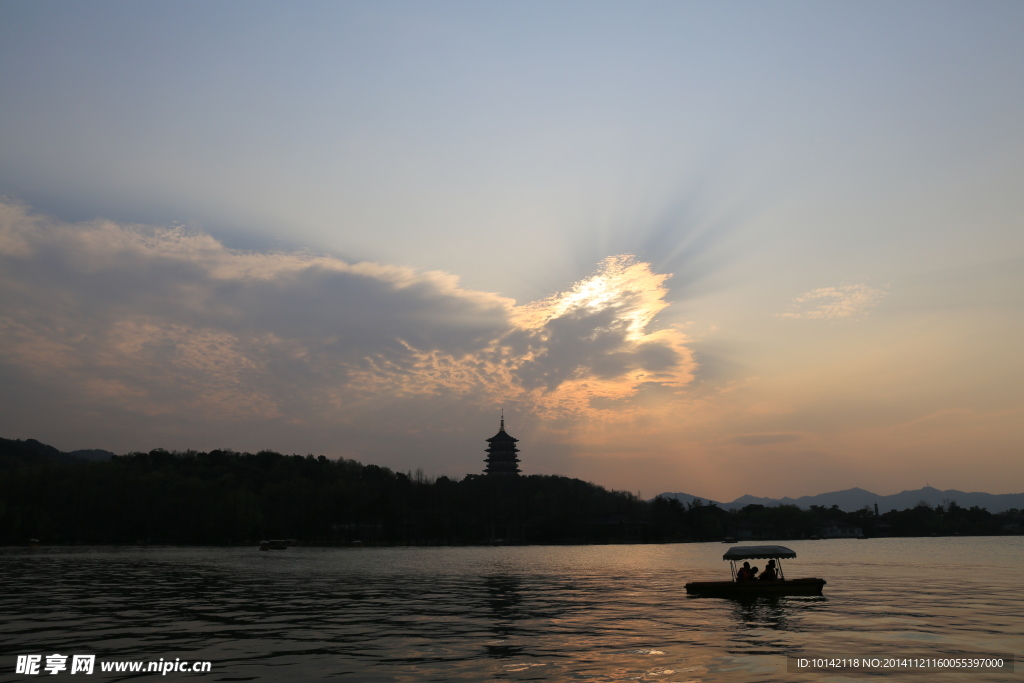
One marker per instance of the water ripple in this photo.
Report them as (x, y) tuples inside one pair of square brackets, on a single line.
[(604, 613)]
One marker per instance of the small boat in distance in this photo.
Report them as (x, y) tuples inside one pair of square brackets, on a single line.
[(273, 545), (755, 587)]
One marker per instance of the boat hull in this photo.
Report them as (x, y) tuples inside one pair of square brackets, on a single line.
[(756, 588)]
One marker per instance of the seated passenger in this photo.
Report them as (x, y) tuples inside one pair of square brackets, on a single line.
[(753, 573), (769, 573), (744, 572)]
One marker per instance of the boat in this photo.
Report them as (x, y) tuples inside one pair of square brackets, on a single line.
[(274, 545), (754, 588)]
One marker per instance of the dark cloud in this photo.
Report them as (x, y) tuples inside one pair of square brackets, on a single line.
[(590, 343)]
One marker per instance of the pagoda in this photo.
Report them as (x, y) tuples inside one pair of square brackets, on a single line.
[(501, 453)]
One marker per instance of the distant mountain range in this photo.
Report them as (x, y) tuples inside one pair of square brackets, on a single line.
[(854, 499), (30, 448)]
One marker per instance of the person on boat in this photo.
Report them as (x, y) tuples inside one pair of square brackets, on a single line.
[(769, 573), (744, 572), (753, 573)]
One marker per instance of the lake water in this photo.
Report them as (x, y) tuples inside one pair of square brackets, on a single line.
[(566, 613)]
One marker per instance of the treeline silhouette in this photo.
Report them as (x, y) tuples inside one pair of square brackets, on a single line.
[(676, 520), (224, 497)]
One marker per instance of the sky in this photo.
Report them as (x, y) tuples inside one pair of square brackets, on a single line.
[(722, 248)]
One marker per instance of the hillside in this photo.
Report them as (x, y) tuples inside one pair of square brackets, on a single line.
[(851, 500)]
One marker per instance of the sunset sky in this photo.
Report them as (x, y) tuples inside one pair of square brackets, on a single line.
[(771, 248)]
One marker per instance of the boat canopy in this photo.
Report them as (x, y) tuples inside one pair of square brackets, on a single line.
[(754, 552)]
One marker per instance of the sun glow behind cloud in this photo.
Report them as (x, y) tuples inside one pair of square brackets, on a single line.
[(170, 322), (593, 341)]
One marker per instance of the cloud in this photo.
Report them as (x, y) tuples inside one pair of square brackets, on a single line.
[(592, 342), (831, 303), (169, 322)]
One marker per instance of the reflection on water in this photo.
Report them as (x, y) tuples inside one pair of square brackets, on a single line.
[(766, 612), (503, 601), (598, 613)]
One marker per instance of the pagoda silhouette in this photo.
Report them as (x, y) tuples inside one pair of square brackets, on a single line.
[(501, 453)]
